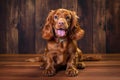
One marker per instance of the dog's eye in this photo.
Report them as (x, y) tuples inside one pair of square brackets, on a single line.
[(67, 17), (55, 17)]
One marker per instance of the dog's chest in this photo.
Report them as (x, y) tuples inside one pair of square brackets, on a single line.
[(59, 51), (59, 46)]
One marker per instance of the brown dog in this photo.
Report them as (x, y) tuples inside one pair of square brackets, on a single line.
[(62, 31)]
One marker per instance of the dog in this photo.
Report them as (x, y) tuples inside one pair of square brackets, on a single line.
[(62, 31)]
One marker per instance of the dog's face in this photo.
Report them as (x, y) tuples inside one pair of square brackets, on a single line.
[(59, 22), (62, 20)]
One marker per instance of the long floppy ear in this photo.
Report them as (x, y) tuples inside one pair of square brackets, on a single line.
[(76, 32), (74, 20), (47, 32)]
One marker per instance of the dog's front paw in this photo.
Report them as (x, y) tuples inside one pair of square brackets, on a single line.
[(42, 66), (81, 65), (49, 72), (72, 72)]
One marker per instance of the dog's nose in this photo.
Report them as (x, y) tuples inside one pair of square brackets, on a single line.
[(61, 23)]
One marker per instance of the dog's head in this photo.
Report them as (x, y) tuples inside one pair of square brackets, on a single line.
[(60, 23)]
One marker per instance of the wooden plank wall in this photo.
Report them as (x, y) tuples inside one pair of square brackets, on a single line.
[(26, 28), (21, 22), (85, 13), (113, 26), (99, 34), (3, 24), (11, 27)]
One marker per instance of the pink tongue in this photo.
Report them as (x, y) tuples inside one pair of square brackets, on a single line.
[(61, 32)]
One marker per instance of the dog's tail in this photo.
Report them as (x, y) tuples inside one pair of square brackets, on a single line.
[(88, 57), (92, 57)]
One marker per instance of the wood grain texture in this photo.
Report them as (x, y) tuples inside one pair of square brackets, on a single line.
[(70, 4), (99, 32), (112, 26), (54, 4), (27, 26), (41, 12), (3, 24), (18, 69), (12, 26), (85, 12)]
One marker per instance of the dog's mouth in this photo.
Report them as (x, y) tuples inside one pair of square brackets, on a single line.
[(60, 32)]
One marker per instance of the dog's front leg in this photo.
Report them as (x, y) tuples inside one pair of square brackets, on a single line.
[(71, 69), (49, 69)]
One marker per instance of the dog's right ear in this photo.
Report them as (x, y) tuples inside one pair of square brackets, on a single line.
[(47, 32), (75, 32)]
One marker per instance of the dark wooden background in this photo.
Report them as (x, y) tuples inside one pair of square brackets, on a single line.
[(21, 22)]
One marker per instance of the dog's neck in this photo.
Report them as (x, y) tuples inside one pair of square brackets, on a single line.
[(60, 40)]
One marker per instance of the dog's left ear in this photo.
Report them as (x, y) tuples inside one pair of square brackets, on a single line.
[(76, 32), (74, 20)]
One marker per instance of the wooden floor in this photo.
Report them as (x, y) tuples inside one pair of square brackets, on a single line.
[(14, 67)]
